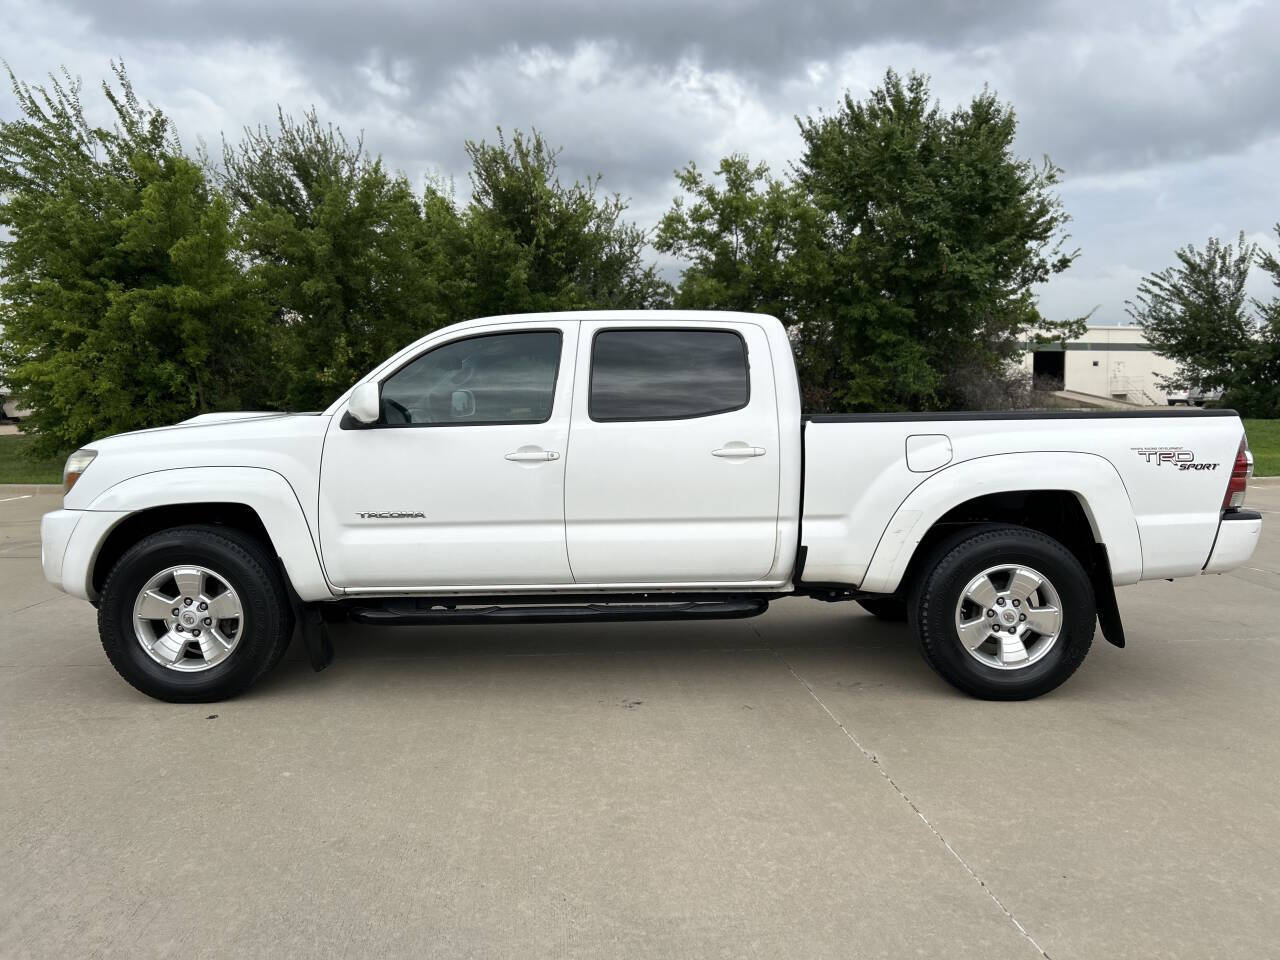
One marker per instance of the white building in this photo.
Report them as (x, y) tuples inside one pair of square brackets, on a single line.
[(1114, 362)]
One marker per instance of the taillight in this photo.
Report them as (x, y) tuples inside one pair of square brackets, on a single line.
[(1240, 474)]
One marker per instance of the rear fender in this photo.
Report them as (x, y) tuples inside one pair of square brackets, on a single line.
[(1091, 478)]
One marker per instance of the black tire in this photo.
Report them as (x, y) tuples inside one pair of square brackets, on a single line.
[(245, 564), (954, 564), (890, 607)]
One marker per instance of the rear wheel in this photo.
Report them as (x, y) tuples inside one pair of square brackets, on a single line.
[(194, 614), (1006, 613)]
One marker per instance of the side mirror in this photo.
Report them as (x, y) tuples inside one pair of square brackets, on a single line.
[(462, 404), (365, 403)]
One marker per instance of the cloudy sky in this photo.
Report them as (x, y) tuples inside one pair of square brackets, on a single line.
[(1164, 115)]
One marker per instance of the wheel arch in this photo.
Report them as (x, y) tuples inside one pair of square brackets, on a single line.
[(1086, 506), (136, 526), (251, 499), (1055, 513)]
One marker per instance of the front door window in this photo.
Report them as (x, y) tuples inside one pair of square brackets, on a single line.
[(497, 378)]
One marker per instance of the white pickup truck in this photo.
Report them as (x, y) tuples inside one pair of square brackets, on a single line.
[(633, 465)]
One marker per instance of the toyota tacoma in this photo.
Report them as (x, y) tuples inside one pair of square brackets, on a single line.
[(597, 466)]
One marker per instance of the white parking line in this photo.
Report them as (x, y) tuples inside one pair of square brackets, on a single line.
[(25, 496)]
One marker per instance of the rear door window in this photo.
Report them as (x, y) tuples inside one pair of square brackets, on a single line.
[(665, 374)]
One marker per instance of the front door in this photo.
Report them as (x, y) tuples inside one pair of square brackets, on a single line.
[(673, 459), (461, 481)]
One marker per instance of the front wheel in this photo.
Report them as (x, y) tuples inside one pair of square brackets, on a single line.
[(194, 614), (1005, 613)]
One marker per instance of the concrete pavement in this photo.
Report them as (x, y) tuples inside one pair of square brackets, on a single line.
[(798, 785)]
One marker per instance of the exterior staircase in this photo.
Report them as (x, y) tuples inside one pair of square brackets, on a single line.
[(1132, 390)]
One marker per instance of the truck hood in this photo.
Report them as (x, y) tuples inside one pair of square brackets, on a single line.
[(286, 443), (233, 415), (216, 429)]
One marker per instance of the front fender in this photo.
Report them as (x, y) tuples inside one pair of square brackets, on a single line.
[(264, 491), (1092, 479)]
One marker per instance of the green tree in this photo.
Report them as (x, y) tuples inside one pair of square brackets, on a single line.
[(534, 244), (936, 234), (1197, 312), (353, 265), (120, 301), (751, 243), (902, 253), (744, 243), (1258, 393), (350, 263)]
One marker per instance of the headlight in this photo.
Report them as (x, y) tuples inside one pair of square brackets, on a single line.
[(77, 464)]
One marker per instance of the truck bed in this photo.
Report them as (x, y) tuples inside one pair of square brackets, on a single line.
[(1135, 414), (1150, 482)]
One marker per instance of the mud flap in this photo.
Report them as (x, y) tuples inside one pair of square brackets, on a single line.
[(314, 631), (1104, 597), (315, 634)]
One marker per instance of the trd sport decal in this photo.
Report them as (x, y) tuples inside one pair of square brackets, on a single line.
[(1179, 457)]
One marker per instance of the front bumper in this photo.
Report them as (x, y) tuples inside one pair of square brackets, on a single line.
[(56, 529), (69, 544), (1238, 535)]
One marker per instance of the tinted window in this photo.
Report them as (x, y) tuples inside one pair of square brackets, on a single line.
[(500, 378), (666, 374)]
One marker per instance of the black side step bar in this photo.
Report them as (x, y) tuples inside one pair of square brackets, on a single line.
[(400, 613)]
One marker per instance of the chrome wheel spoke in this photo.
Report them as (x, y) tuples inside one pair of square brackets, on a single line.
[(1044, 620), (973, 633), (213, 645), (169, 648), (982, 591), (153, 605), (1023, 583), (1012, 649), (190, 581), (225, 606)]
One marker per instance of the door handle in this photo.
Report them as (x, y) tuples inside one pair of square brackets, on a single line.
[(526, 455), (737, 451)]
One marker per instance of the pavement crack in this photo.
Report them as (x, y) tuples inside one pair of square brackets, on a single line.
[(911, 803), (36, 604)]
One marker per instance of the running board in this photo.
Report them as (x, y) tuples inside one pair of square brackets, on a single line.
[(402, 613)]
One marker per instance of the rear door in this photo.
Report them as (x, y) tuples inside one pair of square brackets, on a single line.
[(672, 474)]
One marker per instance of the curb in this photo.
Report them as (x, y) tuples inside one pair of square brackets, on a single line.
[(1264, 481), (28, 489)]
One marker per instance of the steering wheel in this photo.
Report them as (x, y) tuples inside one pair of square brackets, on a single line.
[(401, 411)]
